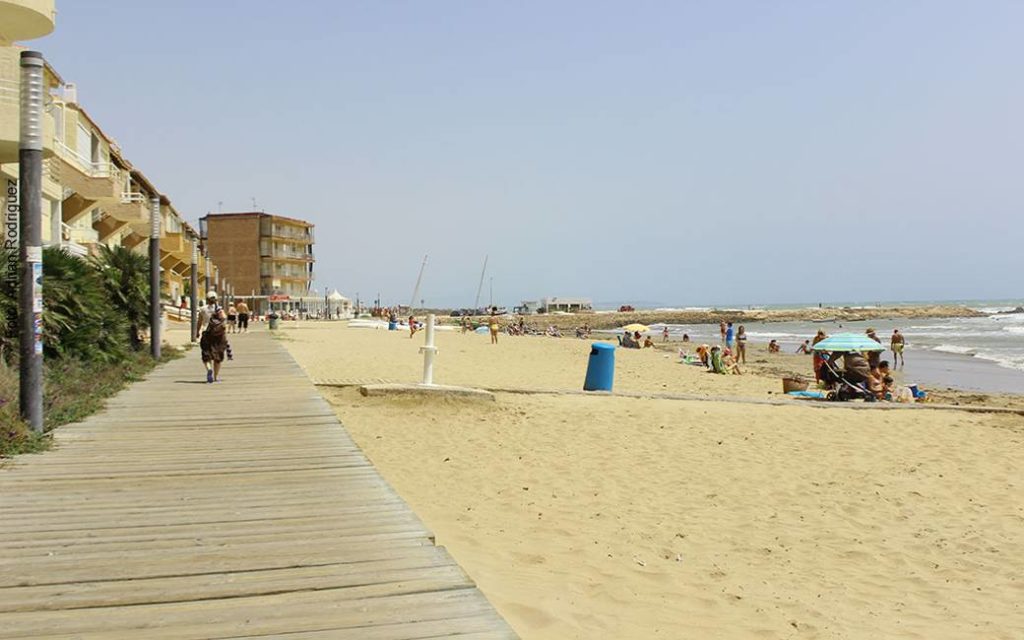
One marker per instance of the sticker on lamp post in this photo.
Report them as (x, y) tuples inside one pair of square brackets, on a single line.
[(34, 255)]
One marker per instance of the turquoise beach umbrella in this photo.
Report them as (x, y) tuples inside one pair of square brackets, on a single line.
[(848, 342)]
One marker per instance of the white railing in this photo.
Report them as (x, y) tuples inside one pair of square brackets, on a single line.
[(85, 165), (128, 197), (78, 234)]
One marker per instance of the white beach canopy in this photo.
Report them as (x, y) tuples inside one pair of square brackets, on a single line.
[(336, 297)]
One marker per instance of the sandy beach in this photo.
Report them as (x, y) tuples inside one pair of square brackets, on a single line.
[(617, 517)]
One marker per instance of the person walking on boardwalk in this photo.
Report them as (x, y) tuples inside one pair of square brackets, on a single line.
[(213, 342), (896, 343), (243, 316)]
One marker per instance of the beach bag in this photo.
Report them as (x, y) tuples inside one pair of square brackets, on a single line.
[(215, 328)]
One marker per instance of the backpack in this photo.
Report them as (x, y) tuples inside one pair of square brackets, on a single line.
[(215, 328)]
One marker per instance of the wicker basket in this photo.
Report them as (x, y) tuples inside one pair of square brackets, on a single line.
[(794, 384)]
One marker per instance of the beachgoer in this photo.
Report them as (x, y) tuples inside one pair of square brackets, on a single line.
[(805, 347), (664, 334), (412, 326), (896, 343), (730, 364), (817, 361), (704, 353), (741, 345), (773, 346), (213, 340), (884, 372), (716, 365), (856, 367), (873, 356), (493, 325), (721, 329), (648, 342), (686, 337), (728, 335), (232, 318), (243, 315)]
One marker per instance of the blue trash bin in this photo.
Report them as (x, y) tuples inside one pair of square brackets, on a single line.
[(392, 326), (600, 367)]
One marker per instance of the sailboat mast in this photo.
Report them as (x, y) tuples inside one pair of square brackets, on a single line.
[(483, 272), (419, 279)]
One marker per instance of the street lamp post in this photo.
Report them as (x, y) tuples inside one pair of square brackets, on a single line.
[(30, 296), (154, 276), (194, 301)]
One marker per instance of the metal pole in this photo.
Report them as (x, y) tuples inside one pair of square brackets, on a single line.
[(206, 285), (429, 351), (194, 301), (154, 277), (416, 291), (30, 295)]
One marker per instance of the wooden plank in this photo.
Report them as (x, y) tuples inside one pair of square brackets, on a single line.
[(241, 509)]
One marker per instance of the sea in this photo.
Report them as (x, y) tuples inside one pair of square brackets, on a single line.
[(984, 353)]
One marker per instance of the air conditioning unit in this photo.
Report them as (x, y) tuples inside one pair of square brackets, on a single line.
[(71, 93)]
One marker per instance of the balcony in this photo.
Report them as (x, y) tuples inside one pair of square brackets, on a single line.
[(293, 233), (91, 180), (278, 253), (26, 19), (78, 239)]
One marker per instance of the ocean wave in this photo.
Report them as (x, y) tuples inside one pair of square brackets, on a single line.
[(991, 310), (954, 348), (1017, 329), (1007, 362), (763, 335), (925, 327)]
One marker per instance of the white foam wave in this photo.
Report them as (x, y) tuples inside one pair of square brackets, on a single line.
[(1003, 361), (991, 310), (759, 335), (926, 327), (1018, 330), (954, 348)]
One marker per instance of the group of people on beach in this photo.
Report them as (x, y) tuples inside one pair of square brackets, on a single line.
[(635, 341)]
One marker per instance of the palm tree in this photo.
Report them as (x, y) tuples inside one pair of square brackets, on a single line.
[(78, 321), (125, 278)]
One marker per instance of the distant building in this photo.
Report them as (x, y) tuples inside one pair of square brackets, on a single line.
[(569, 305), (261, 254)]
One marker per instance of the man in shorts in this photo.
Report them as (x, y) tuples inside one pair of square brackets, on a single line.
[(243, 316), (896, 344)]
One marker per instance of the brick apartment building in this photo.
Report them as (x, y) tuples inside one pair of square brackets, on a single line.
[(261, 254)]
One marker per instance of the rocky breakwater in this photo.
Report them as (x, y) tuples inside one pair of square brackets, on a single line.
[(714, 316)]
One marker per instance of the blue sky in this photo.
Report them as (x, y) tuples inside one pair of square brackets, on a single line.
[(681, 153)]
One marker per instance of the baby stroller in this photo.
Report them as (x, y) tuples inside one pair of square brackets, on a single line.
[(841, 387)]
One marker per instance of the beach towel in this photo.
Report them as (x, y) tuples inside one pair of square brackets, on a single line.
[(816, 395)]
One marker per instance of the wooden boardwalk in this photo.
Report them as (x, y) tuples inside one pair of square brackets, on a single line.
[(235, 510)]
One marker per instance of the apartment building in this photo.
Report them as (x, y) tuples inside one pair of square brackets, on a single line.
[(261, 254), (92, 195)]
